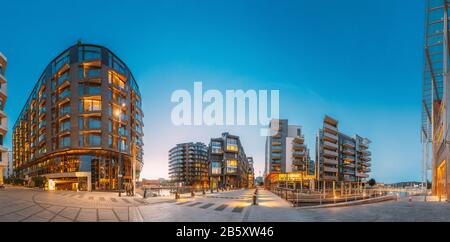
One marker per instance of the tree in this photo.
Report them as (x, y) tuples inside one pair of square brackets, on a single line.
[(372, 182), (39, 181)]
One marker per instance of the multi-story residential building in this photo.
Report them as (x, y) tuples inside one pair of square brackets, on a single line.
[(341, 158), (286, 151), (3, 119), (81, 126), (229, 166), (251, 172), (188, 165), (436, 98)]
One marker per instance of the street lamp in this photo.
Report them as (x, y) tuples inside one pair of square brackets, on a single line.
[(118, 113)]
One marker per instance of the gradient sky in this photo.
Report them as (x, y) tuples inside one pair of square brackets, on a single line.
[(359, 61)]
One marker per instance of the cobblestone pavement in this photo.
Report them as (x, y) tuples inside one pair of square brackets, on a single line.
[(22, 204)]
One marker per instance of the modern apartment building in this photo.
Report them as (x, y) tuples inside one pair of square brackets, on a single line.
[(286, 151), (288, 161), (229, 165), (81, 127), (436, 98), (339, 157), (3, 119), (188, 165), (251, 172)]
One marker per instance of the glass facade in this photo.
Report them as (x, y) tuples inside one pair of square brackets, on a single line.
[(71, 109)]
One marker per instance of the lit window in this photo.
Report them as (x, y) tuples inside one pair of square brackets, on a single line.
[(88, 105), (232, 166), (216, 168)]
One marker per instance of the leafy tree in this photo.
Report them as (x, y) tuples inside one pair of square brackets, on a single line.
[(372, 182), (39, 181)]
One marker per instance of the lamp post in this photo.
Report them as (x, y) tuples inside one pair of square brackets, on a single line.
[(120, 175)]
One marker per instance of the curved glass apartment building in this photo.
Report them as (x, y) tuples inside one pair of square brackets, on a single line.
[(188, 165), (81, 126)]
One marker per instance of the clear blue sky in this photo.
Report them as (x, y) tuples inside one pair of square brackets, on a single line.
[(359, 61)]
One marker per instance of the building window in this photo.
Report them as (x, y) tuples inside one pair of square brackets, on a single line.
[(64, 109), (216, 147), (216, 168), (231, 166), (1, 139), (138, 128), (41, 137), (90, 140), (88, 72), (64, 141), (42, 150), (63, 77), (89, 105), (64, 126), (90, 122), (90, 89), (118, 66), (122, 130), (116, 81), (89, 53), (64, 93), (61, 61), (232, 145)]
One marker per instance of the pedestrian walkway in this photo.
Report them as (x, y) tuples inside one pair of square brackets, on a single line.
[(20, 204)]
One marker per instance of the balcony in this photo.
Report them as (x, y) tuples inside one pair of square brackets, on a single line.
[(363, 146), (330, 169), (299, 140), (330, 128), (4, 125), (3, 89), (276, 142), (330, 145), (276, 156), (2, 78), (298, 146), (367, 153), (362, 175), (348, 152), (348, 145), (330, 161), (330, 137), (298, 154), (276, 148), (348, 158), (365, 164), (329, 153), (349, 172), (330, 178), (349, 165)]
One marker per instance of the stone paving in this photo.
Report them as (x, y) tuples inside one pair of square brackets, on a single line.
[(23, 205)]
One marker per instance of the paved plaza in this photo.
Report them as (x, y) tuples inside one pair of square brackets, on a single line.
[(23, 204)]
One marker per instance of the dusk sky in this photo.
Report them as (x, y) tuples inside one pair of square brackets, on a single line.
[(358, 61)]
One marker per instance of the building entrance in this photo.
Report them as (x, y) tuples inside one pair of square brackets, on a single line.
[(441, 187)]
